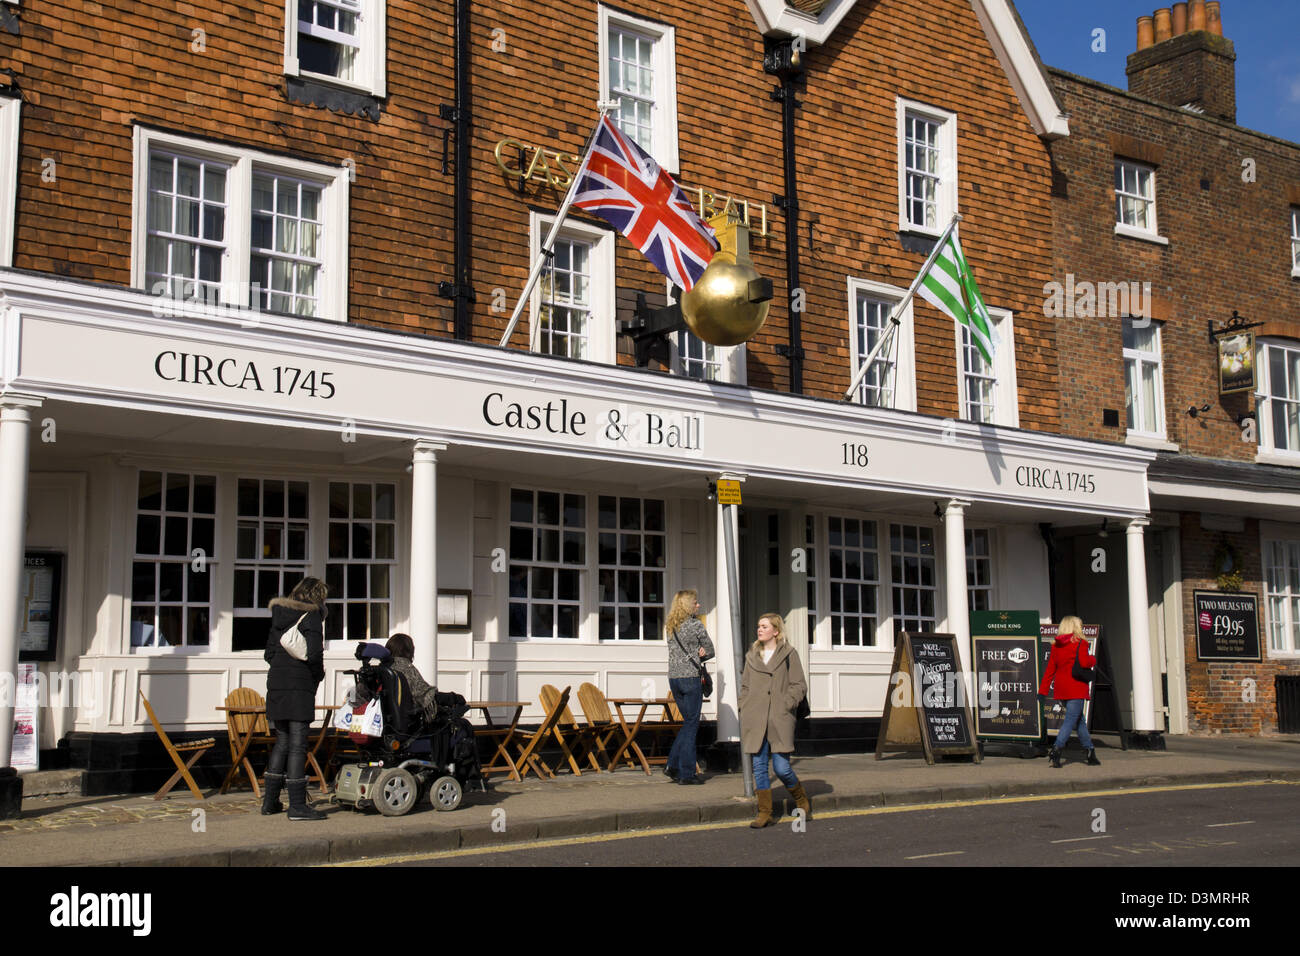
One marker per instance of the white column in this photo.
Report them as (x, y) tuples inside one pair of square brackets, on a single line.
[(724, 641), (424, 557), (1144, 716), (15, 422), (954, 563)]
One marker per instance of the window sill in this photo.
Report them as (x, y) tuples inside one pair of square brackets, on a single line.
[(1290, 459), (1295, 273), (1150, 441), (353, 101), (1131, 233)]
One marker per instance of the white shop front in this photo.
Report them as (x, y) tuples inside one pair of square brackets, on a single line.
[(188, 467)]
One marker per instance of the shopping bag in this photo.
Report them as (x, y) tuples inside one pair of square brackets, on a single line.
[(372, 721)]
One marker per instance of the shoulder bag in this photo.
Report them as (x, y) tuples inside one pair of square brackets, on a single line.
[(705, 679), (293, 641), (1084, 675)]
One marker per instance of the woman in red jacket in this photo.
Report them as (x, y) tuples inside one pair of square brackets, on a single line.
[(1069, 647)]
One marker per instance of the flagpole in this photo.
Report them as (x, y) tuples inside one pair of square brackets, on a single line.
[(545, 252), (897, 310)]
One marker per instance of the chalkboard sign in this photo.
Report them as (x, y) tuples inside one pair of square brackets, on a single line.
[(1227, 626), (926, 708), (1006, 669)]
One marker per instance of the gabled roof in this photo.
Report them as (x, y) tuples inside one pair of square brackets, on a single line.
[(1002, 25)]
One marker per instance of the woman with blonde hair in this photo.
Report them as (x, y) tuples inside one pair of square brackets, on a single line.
[(688, 647), (1068, 650), (771, 689)]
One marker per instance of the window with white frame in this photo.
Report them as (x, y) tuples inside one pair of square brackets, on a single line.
[(631, 551), (912, 571), (573, 303), (338, 41), (638, 69), (362, 560), (548, 555), (1278, 401), (890, 382), (1135, 196), (1144, 393), (1282, 592), (1295, 240), (9, 110), (175, 547), (272, 552), (979, 570), (239, 228), (927, 167), (987, 390), (854, 579)]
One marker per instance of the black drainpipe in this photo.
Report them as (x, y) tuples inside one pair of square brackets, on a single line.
[(461, 288), (783, 60)]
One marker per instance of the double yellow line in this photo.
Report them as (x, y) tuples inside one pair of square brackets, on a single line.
[(827, 815)]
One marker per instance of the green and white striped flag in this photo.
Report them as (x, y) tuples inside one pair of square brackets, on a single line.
[(950, 287)]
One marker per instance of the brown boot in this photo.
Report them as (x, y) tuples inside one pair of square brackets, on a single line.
[(764, 817), (801, 800)]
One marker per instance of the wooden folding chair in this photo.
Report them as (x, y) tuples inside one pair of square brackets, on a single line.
[(249, 731), (595, 708), (529, 744), (579, 738), (196, 749)]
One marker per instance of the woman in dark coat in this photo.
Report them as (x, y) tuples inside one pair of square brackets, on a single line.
[(291, 695)]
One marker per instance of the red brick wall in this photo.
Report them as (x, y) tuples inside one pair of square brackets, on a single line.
[(88, 70), (1227, 250), (1214, 689)]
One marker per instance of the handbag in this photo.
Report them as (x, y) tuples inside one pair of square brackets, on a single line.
[(1084, 675), (705, 678), (293, 641)]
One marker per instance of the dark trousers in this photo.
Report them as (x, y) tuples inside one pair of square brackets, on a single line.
[(690, 698), (289, 755)]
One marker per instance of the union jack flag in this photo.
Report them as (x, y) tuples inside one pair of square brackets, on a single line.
[(623, 185)]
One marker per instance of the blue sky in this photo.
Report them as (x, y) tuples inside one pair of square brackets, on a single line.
[(1266, 34)]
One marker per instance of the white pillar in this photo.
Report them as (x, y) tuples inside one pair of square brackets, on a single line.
[(1144, 716), (15, 422), (424, 557), (724, 641), (954, 563)]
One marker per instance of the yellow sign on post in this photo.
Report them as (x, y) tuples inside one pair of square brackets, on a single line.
[(728, 491)]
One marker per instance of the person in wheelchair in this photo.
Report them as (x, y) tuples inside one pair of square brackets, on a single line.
[(402, 649)]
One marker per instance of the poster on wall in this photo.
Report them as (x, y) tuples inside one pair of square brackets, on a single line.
[(1237, 363), (39, 601), (25, 753), (1227, 626)]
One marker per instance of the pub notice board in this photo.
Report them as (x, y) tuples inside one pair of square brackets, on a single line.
[(924, 710), (1005, 645), (42, 586)]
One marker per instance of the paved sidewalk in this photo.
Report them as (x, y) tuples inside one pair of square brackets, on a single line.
[(73, 830)]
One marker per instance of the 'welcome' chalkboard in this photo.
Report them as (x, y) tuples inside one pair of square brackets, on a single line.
[(926, 709)]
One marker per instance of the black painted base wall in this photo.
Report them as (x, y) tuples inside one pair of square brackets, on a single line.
[(138, 763)]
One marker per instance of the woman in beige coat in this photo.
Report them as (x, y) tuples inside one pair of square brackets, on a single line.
[(771, 689)]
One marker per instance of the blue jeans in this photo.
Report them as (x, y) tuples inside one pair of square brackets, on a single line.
[(780, 763), (289, 753), (1073, 717), (690, 698)]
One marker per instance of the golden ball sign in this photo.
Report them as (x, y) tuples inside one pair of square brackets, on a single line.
[(729, 304)]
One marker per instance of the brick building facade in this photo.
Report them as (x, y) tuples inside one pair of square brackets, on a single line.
[(1164, 205), (295, 167)]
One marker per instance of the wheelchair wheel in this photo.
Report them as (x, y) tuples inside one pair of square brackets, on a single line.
[(445, 793), (395, 792)]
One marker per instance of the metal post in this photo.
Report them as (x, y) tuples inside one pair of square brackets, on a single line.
[(737, 634)]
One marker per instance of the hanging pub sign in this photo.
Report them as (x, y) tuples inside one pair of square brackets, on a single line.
[(39, 599), (1227, 626), (1006, 671), (1237, 363), (925, 707)]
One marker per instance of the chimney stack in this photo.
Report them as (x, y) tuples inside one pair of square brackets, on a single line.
[(1184, 60)]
